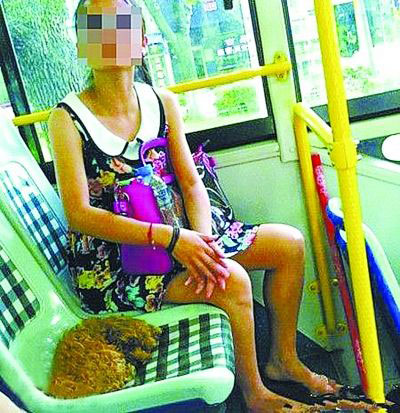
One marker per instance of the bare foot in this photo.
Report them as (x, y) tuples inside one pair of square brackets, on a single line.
[(295, 370), (264, 401), (317, 384)]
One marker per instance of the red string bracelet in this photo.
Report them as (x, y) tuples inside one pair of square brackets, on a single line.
[(150, 236)]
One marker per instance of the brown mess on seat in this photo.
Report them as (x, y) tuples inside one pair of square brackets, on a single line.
[(101, 355)]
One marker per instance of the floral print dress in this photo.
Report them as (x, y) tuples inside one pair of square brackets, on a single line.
[(95, 264)]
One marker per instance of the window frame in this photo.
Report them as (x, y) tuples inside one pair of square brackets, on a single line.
[(255, 130), (236, 134), (361, 108), (15, 88)]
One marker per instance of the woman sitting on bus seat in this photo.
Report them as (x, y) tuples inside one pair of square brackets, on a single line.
[(87, 166)]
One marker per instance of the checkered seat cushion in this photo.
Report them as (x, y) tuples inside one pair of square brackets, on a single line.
[(195, 340), (190, 345), (194, 358), (186, 346), (18, 304), (37, 217)]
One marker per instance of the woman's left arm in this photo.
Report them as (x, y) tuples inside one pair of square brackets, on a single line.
[(197, 203), (195, 197)]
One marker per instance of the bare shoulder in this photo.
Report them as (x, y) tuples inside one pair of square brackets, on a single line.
[(61, 124), (59, 119), (171, 107), (169, 99)]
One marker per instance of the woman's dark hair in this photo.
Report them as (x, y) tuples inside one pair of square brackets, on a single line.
[(141, 72)]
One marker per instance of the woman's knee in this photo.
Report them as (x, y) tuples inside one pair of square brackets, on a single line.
[(294, 245), (298, 240), (238, 286)]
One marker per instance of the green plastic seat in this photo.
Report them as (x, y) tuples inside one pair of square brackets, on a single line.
[(194, 359)]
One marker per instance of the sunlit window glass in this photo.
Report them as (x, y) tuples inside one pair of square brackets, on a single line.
[(187, 40), (369, 42), (4, 99), (45, 52), (195, 39)]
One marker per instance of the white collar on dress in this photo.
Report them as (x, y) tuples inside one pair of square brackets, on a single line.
[(107, 141)]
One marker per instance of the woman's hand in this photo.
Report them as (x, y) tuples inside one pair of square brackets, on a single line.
[(203, 259)]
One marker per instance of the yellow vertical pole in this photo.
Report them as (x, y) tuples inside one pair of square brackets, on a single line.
[(344, 156), (313, 211)]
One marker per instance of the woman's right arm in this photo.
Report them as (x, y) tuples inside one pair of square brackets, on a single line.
[(73, 188)]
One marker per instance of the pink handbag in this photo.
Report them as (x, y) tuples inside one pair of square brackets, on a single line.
[(136, 200)]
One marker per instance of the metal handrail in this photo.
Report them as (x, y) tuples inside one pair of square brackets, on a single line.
[(279, 68), (344, 157), (304, 117), (315, 123)]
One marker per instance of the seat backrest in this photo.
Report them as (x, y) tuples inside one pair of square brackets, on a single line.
[(18, 304), (34, 213), (382, 275), (32, 315), (34, 206)]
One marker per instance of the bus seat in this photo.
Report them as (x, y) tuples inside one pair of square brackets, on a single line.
[(386, 289), (194, 364), (34, 209)]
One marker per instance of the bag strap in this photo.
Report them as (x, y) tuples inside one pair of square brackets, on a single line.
[(156, 143), (160, 142)]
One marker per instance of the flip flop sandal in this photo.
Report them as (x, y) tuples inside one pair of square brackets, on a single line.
[(300, 393), (346, 393), (292, 390), (394, 395), (355, 394)]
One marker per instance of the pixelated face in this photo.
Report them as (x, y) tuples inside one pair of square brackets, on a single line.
[(110, 36)]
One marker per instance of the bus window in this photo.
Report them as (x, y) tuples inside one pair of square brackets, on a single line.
[(4, 99), (187, 40), (44, 50), (45, 54), (190, 40), (369, 33)]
